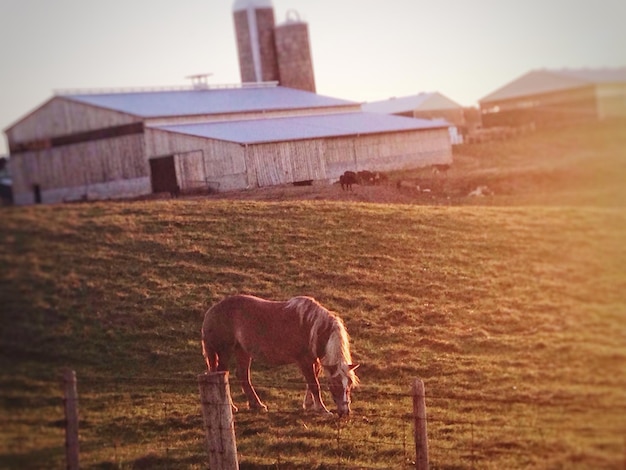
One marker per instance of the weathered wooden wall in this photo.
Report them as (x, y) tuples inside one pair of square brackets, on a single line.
[(60, 116), (286, 162), (235, 166), (220, 164), (389, 151), (101, 169)]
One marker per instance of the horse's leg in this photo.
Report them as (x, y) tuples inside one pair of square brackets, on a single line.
[(310, 371), (243, 374), (219, 363), (210, 357), (308, 395)]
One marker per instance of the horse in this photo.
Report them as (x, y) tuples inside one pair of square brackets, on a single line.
[(298, 330)]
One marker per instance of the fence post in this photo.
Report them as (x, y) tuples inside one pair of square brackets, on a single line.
[(419, 415), (219, 425), (70, 401)]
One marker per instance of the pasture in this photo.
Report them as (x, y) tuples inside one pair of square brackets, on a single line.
[(513, 314)]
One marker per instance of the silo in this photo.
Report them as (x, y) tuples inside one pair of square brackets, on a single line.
[(293, 51), (254, 29)]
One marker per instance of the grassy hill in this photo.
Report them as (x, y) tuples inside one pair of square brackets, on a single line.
[(572, 166), (511, 308)]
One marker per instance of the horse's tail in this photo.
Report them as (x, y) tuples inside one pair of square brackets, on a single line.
[(208, 349)]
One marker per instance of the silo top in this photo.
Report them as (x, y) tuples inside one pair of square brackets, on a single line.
[(245, 4), (293, 17)]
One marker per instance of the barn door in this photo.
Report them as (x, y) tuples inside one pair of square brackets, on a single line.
[(37, 193), (163, 175)]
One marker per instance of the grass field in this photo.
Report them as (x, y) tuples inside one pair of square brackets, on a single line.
[(511, 308)]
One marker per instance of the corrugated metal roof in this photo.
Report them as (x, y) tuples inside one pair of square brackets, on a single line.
[(256, 4), (152, 104), (424, 101), (303, 127), (546, 81)]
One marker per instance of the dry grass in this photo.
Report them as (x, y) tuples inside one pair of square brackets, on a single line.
[(513, 315)]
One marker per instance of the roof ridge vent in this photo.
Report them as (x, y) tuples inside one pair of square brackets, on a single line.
[(208, 87), (199, 81)]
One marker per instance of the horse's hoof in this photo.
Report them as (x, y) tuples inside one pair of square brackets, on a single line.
[(258, 408), (323, 411)]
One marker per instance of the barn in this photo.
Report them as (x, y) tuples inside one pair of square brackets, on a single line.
[(425, 105), (122, 144), (554, 97)]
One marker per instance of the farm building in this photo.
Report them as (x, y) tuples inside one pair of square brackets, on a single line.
[(431, 105), (549, 97), (90, 146)]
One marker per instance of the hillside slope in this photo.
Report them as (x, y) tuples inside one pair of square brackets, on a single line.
[(514, 317)]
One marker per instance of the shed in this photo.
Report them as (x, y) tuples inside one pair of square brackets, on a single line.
[(104, 145), (426, 105), (267, 152), (549, 97)]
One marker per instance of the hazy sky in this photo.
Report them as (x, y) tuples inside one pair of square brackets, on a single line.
[(363, 50)]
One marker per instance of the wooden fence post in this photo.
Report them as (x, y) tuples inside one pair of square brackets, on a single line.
[(219, 425), (70, 401), (419, 415)]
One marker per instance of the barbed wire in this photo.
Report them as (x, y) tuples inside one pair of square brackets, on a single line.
[(380, 391), (141, 393)]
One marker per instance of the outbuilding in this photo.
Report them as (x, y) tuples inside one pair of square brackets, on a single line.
[(106, 145), (425, 105), (555, 97)]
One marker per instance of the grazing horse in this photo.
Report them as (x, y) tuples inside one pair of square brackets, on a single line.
[(299, 331)]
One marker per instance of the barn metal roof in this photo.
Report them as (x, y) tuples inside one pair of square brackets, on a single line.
[(424, 101), (303, 127), (546, 81), (189, 102)]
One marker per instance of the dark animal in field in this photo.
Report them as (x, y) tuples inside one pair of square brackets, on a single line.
[(299, 331), (348, 179), (365, 177)]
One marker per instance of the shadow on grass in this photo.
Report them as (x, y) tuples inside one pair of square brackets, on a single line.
[(46, 457)]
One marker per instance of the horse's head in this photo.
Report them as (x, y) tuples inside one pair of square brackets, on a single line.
[(341, 380)]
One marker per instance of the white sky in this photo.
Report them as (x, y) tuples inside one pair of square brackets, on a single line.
[(363, 50)]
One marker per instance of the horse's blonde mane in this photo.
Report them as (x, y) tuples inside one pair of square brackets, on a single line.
[(338, 346)]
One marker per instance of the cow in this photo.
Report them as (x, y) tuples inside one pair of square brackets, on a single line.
[(347, 180)]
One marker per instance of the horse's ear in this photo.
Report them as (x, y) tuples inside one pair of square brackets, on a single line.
[(353, 366)]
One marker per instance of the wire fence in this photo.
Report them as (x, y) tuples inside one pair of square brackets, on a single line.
[(128, 422)]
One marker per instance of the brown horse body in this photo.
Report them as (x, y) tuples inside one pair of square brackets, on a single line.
[(298, 331)]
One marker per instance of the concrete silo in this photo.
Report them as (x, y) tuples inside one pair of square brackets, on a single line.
[(293, 52), (254, 29)]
